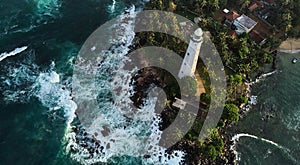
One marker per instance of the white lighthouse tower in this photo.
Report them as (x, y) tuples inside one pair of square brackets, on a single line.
[(189, 63)]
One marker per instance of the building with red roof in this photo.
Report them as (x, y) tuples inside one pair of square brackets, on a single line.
[(230, 17), (255, 5), (257, 37), (232, 33)]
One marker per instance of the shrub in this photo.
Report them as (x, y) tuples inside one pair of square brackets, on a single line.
[(230, 112)]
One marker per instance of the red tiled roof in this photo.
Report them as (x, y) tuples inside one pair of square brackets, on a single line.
[(253, 6), (232, 15), (232, 33), (258, 38)]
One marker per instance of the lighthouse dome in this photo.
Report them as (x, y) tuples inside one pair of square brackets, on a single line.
[(198, 32), (197, 36)]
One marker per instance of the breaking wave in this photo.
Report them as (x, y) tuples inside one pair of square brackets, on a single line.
[(17, 81), (48, 7), (262, 77), (117, 130), (12, 53), (236, 138), (54, 93), (112, 7), (25, 80)]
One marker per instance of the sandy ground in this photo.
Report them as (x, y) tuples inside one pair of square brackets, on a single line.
[(200, 88), (290, 46)]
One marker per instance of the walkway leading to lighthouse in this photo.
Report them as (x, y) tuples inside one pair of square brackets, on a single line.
[(200, 86)]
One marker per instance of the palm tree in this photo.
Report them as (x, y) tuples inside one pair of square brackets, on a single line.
[(244, 4), (172, 6), (287, 20), (203, 4), (215, 4)]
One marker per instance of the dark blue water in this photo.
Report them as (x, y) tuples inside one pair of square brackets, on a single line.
[(274, 118), (53, 30), (33, 105)]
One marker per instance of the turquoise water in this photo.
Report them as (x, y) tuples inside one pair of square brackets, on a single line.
[(35, 83), (35, 86), (278, 97)]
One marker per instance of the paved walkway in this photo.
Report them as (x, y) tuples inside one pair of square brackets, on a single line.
[(289, 51), (291, 45)]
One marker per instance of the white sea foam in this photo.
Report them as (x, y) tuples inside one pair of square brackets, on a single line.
[(292, 120), (12, 53), (253, 100), (113, 6), (53, 94), (17, 81), (26, 81), (236, 138), (139, 136), (262, 77), (48, 7)]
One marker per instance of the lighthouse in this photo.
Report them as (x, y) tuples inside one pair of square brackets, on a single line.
[(189, 64)]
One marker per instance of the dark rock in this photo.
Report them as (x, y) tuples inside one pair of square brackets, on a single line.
[(147, 156)]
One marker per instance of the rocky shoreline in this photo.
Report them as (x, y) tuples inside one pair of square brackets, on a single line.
[(244, 109), (143, 81)]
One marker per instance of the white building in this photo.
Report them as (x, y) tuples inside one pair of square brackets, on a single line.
[(244, 24), (189, 64)]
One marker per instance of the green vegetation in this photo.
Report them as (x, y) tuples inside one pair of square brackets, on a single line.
[(241, 54), (213, 147), (286, 16), (243, 100), (189, 86), (230, 112), (236, 79), (205, 98), (283, 15), (242, 57)]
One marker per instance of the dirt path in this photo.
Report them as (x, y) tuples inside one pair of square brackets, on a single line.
[(200, 88)]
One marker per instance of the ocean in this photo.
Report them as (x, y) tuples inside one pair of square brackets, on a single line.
[(39, 43), (270, 132)]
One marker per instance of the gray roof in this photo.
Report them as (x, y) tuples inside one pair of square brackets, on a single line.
[(246, 21)]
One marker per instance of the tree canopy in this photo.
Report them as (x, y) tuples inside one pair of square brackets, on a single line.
[(214, 146), (236, 79), (230, 112), (189, 85), (205, 98)]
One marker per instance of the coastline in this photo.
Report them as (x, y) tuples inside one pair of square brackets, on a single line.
[(229, 154), (229, 138), (290, 46)]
